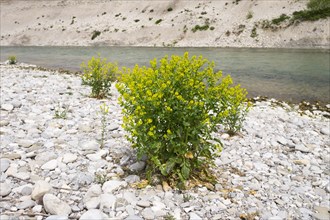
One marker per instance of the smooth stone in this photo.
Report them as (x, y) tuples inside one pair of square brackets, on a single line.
[(138, 166), (325, 131), (132, 179), (194, 216), (107, 201), (92, 203), (12, 156), (301, 148), (26, 143), (113, 127), (5, 189), (40, 189), (92, 197), (55, 206), (4, 123), (94, 214), (134, 217), (69, 158), (302, 162), (90, 145), (22, 175), (282, 140), (4, 164), (50, 165), (37, 209), (113, 185), (57, 217), (143, 203), (147, 213), (7, 107), (26, 204)]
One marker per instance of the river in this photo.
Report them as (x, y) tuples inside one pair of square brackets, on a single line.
[(292, 75)]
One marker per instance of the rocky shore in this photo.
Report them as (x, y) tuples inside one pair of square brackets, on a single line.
[(52, 165)]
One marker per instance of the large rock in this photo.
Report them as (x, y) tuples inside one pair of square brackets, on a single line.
[(92, 197), (107, 201), (40, 189), (69, 158), (55, 206), (94, 214)]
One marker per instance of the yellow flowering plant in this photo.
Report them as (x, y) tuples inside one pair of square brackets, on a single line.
[(170, 110), (99, 74)]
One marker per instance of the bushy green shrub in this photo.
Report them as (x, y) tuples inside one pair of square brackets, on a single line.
[(12, 60), (99, 74), (95, 34), (171, 108), (280, 19), (318, 4), (158, 21)]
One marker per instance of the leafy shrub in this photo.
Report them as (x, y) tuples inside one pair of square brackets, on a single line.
[(318, 4), (158, 21), (311, 15), (170, 9), (249, 15), (170, 110), (254, 32), (12, 60), (95, 34), (99, 74), (280, 19)]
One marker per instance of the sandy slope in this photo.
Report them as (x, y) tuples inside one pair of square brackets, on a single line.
[(72, 22)]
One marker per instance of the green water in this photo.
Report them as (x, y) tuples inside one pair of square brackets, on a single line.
[(291, 75)]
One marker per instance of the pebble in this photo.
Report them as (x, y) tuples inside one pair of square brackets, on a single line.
[(7, 107), (276, 166), (57, 217)]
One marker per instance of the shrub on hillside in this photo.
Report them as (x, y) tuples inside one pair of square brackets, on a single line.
[(171, 109)]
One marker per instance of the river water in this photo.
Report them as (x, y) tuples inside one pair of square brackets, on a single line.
[(292, 75)]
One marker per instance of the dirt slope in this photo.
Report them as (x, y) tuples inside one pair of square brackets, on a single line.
[(73, 22)]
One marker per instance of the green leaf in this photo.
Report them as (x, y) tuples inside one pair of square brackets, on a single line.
[(185, 171)]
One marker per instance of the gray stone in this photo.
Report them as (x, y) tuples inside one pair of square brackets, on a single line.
[(57, 217), (90, 145), (194, 216), (132, 179), (282, 140), (26, 204), (55, 206), (107, 201), (37, 209), (69, 158), (26, 191), (7, 107), (134, 217), (92, 197), (5, 189), (94, 214), (25, 143), (40, 189), (138, 166), (143, 203), (113, 185), (301, 148), (4, 164), (50, 165), (147, 213), (83, 178), (325, 131)]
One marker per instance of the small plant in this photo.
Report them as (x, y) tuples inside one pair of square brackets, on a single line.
[(101, 178), (200, 28), (12, 60), (280, 19), (158, 21), (212, 28), (187, 197), (170, 110), (136, 20), (249, 15), (61, 112), (254, 32), (104, 110), (95, 34), (203, 13), (99, 74), (168, 216), (170, 9)]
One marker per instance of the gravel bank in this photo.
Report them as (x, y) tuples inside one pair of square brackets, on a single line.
[(51, 168)]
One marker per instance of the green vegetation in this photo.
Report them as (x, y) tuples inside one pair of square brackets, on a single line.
[(61, 112), (170, 9), (137, 20), (249, 15), (254, 32), (280, 19), (95, 34), (12, 60), (104, 110), (158, 21), (200, 28), (99, 75), (170, 111), (318, 4)]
